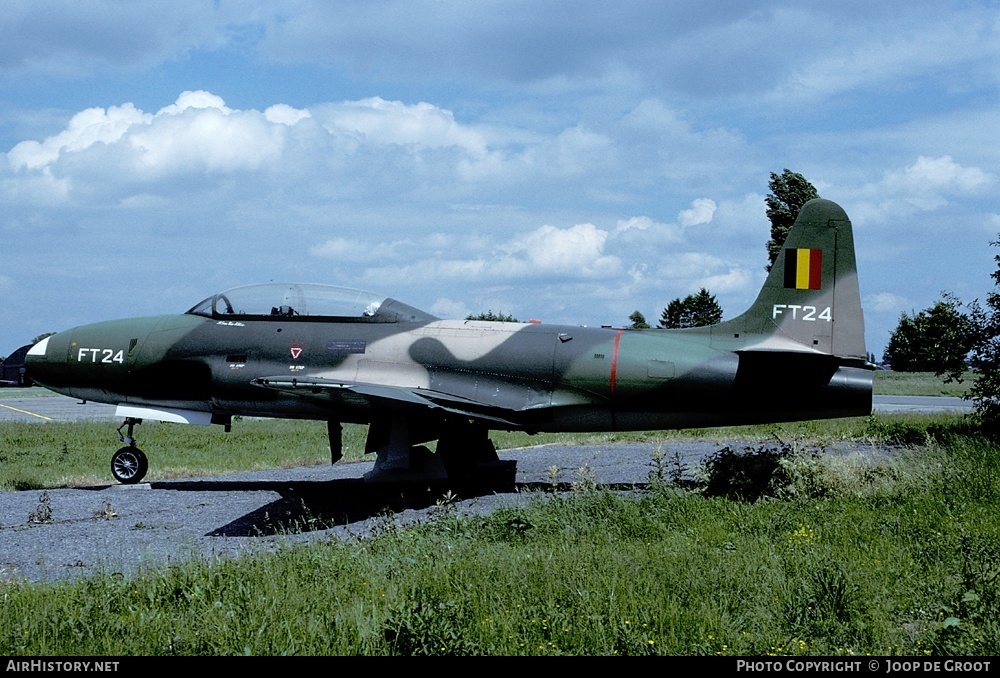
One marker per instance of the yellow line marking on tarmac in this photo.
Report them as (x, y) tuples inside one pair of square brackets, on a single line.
[(40, 416)]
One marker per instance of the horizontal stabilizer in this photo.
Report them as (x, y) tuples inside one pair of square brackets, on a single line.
[(777, 343)]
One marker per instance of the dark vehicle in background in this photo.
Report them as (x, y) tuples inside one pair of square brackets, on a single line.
[(12, 371)]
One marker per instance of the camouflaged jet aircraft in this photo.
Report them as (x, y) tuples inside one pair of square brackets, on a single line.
[(318, 352)]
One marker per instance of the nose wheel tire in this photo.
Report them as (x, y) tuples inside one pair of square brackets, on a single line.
[(129, 465)]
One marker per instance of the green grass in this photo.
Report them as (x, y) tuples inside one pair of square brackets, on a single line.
[(29, 392), (887, 382)]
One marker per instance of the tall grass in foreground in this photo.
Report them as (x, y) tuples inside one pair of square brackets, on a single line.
[(890, 555)]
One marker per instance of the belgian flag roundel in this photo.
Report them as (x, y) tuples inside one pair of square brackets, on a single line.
[(803, 269)]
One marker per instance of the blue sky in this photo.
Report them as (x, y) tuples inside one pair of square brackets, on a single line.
[(564, 161)]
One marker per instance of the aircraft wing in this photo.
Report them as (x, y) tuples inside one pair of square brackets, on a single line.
[(382, 396)]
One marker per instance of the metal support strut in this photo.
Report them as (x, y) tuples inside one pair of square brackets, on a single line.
[(130, 422)]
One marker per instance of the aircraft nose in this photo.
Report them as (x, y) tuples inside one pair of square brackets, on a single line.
[(101, 361), (87, 362), (45, 362)]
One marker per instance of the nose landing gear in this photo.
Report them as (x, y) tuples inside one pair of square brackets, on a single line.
[(129, 464)]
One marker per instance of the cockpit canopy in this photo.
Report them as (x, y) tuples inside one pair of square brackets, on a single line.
[(305, 302)]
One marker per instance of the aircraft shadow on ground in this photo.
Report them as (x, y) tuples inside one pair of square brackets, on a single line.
[(308, 506)]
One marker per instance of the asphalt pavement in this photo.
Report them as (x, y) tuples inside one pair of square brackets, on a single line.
[(920, 404), (37, 404)]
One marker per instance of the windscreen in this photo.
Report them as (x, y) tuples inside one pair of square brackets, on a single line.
[(289, 301)]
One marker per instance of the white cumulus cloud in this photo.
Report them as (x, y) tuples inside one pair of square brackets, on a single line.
[(733, 280), (338, 248), (201, 132), (394, 122), (86, 128), (647, 229), (195, 99), (285, 115), (943, 173), (701, 212), (577, 250), (887, 302), (444, 307), (926, 185)]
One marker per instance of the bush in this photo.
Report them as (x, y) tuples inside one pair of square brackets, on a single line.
[(749, 475)]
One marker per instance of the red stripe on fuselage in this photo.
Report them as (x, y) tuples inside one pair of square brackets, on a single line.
[(614, 359)]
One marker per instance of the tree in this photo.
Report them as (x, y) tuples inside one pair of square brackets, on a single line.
[(937, 339), (495, 317), (638, 321), (789, 192), (985, 391), (695, 310)]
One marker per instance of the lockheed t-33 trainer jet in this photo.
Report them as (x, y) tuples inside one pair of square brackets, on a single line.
[(304, 351)]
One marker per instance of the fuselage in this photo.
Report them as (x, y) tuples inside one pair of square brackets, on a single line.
[(524, 375)]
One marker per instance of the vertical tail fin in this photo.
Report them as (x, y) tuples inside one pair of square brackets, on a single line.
[(810, 301)]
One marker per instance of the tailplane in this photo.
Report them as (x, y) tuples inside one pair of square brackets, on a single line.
[(810, 302)]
